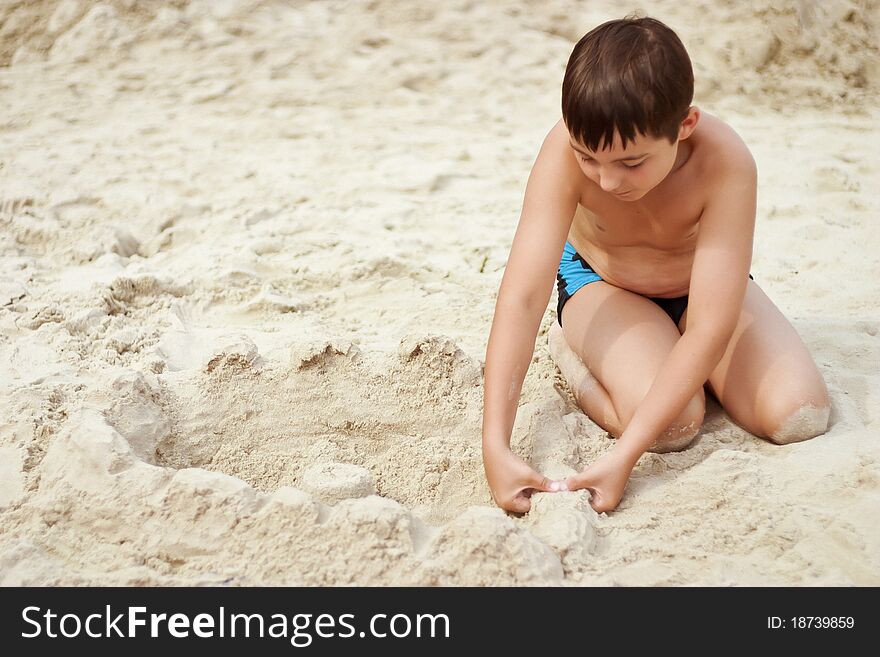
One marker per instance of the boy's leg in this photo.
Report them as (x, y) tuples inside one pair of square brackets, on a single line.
[(589, 393), (767, 381), (621, 339)]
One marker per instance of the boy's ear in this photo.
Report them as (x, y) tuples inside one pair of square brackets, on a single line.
[(689, 123)]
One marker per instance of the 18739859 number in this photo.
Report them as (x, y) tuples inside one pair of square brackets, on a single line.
[(811, 622)]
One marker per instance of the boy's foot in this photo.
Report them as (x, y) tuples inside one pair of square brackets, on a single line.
[(570, 365)]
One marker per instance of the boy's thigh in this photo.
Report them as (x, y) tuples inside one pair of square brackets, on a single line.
[(766, 371), (623, 338)]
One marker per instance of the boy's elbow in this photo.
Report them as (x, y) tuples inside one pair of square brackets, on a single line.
[(519, 304), (536, 302), (526, 299)]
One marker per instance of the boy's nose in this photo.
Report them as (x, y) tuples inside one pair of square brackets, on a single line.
[(609, 183)]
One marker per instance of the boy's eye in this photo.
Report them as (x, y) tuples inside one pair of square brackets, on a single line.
[(588, 160)]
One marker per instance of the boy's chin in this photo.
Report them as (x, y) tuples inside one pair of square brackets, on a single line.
[(632, 195)]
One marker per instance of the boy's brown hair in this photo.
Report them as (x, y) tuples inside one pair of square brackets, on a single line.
[(626, 75)]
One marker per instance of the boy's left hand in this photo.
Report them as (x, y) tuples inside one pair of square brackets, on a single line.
[(605, 479)]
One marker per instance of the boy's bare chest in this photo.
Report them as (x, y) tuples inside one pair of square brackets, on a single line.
[(644, 247), (670, 226)]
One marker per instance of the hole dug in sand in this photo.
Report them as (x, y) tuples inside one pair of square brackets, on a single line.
[(408, 419)]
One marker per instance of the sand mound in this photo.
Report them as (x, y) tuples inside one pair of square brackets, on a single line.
[(333, 482), (818, 52), (78, 31)]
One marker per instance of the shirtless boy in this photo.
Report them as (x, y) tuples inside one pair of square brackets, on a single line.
[(643, 207)]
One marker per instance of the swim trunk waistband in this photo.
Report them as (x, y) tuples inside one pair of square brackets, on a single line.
[(574, 272)]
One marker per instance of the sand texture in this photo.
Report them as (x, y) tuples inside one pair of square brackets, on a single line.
[(249, 253)]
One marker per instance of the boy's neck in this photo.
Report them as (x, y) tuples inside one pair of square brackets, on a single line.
[(682, 155), (685, 148)]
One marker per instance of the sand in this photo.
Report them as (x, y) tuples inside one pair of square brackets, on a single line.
[(249, 253)]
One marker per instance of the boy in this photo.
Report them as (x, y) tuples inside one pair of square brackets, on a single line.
[(644, 207)]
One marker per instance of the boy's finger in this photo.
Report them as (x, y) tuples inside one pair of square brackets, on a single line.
[(547, 485), (537, 482), (576, 482), (520, 504), (597, 502)]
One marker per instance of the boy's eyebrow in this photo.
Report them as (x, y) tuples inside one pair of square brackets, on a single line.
[(623, 159)]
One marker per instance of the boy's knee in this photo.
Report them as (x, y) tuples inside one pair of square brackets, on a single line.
[(684, 428), (804, 422)]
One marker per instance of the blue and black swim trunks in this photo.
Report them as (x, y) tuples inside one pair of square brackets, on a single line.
[(574, 272)]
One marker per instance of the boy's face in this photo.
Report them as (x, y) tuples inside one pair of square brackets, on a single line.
[(630, 173)]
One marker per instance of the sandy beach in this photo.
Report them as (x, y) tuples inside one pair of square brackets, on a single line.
[(249, 254)]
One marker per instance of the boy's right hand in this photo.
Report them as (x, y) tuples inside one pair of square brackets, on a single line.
[(606, 480), (512, 481)]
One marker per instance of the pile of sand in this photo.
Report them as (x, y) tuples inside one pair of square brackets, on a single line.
[(248, 263)]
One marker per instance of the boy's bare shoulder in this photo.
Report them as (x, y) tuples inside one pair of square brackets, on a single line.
[(559, 129), (558, 138), (555, 166), (722, 150)]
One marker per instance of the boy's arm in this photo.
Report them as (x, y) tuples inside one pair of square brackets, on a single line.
[(718, 283), (719, 277), (548, 209)]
